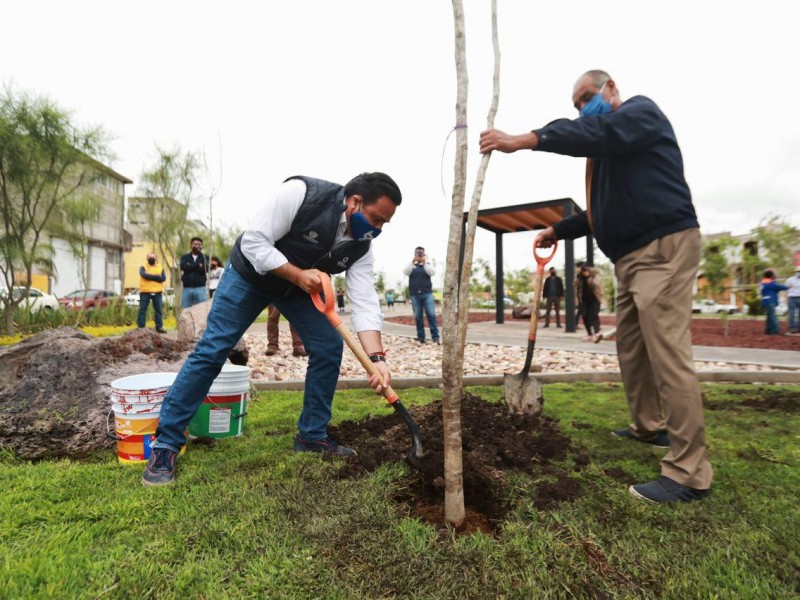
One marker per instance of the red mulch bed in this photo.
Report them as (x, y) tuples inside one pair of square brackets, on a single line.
[(742, 333)]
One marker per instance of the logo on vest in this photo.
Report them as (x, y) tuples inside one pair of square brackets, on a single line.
[(343, 263), (311, 236)]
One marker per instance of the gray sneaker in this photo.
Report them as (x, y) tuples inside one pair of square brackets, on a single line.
[(325, 446), (661, 439), (665, 490), (160, 469)]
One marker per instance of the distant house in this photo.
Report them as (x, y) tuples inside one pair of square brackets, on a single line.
[(744, 277), (105, 237)]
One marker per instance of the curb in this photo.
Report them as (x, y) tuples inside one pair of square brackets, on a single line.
[(400, 383)]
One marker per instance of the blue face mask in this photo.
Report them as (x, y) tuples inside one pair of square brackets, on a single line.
[(361, 229), (597, 105)]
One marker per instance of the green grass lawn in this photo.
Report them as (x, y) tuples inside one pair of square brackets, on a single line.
[(249, 518)]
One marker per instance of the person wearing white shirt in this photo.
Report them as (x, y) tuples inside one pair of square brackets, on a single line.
[(307, 227)]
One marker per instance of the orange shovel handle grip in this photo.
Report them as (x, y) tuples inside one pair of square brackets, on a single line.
[(326, 305)]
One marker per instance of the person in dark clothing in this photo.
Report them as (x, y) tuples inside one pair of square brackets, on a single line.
[(340, 299), (589, 297), (194, 266), (640, 210), (553, 292), (306, 228), (420, 289), (769, 300)]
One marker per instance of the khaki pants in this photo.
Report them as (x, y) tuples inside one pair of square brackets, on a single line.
[(654, 346), (272, 331)]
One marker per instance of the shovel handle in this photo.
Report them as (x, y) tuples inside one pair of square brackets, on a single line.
[(326, 307), (541, 261)]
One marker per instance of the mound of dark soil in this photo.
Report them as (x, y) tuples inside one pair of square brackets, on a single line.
[(494, 444)]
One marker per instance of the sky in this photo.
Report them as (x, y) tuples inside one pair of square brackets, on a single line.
[(266, 90)]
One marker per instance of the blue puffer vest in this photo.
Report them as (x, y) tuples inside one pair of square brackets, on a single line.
[(309, 243), (419, 282)]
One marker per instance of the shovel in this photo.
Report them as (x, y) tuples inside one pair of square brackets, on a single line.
[(326, 307), (523, 394)]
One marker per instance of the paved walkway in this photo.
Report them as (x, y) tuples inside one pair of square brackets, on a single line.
[(515, 333)]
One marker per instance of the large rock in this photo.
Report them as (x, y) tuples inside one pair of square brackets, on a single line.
[(192, 324), (55, 388)]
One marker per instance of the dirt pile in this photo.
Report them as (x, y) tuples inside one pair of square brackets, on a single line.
[(494, 444), (54, 388)]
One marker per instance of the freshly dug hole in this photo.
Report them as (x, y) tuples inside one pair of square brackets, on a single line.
[(494, 443)]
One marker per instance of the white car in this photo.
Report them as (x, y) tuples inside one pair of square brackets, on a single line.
[(711, 307), (132, 297), (36, 300)]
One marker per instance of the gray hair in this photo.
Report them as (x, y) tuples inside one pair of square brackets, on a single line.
[(598, 77)]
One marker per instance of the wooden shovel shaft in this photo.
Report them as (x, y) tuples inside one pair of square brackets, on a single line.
[(363, 358), (537, 299)]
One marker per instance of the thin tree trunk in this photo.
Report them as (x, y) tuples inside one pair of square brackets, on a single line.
[(456, 303), (452, 371), (472, 218)]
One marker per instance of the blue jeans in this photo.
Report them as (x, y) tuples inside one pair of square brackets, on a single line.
[(144, 300), (236, 305), (418, 303), (771, 327), (192, 296), (794, 314)]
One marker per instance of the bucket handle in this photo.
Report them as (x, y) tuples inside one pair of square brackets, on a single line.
[(239, 416)]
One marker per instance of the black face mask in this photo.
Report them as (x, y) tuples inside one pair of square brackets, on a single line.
[(151, 261)]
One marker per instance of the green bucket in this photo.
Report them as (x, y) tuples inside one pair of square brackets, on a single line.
[(222, 412)]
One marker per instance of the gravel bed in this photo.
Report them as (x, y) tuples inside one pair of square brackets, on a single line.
[(408, 358)]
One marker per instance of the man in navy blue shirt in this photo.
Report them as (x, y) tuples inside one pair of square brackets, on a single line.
[(640, 211)]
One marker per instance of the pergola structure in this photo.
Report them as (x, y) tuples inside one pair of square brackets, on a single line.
[(529, 217)]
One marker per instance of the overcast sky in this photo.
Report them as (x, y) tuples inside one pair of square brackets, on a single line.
[(330, 89)]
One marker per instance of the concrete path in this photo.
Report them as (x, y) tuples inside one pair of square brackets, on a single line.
[(515, 333)]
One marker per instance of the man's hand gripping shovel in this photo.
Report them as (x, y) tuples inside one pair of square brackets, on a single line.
[(326, 306), (522, 393)]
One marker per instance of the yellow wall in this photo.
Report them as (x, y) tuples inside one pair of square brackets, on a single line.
[(40, 282), (135, 259)]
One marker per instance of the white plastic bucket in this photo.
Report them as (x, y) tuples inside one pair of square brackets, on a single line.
[(143, 388), (136, 404)]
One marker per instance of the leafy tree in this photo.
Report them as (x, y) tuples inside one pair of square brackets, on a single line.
[(714, 265), (222, 240), (777, 240), (45, 159), (517, 282), (169, 185), (380, 282)]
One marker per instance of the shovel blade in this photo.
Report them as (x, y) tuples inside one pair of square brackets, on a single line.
[(523, 394)]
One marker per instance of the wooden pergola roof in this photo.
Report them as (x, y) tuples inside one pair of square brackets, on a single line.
[(530, 217), (525, 217)]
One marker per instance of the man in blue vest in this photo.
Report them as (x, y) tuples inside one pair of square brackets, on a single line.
[(305, 228), (420, 288), (640, 210)]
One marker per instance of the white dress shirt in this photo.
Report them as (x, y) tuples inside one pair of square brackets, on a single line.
[(274, 220)]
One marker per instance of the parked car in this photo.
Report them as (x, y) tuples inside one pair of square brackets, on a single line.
[(711, 307), (89, 299), (36, 300), (132, 298)]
